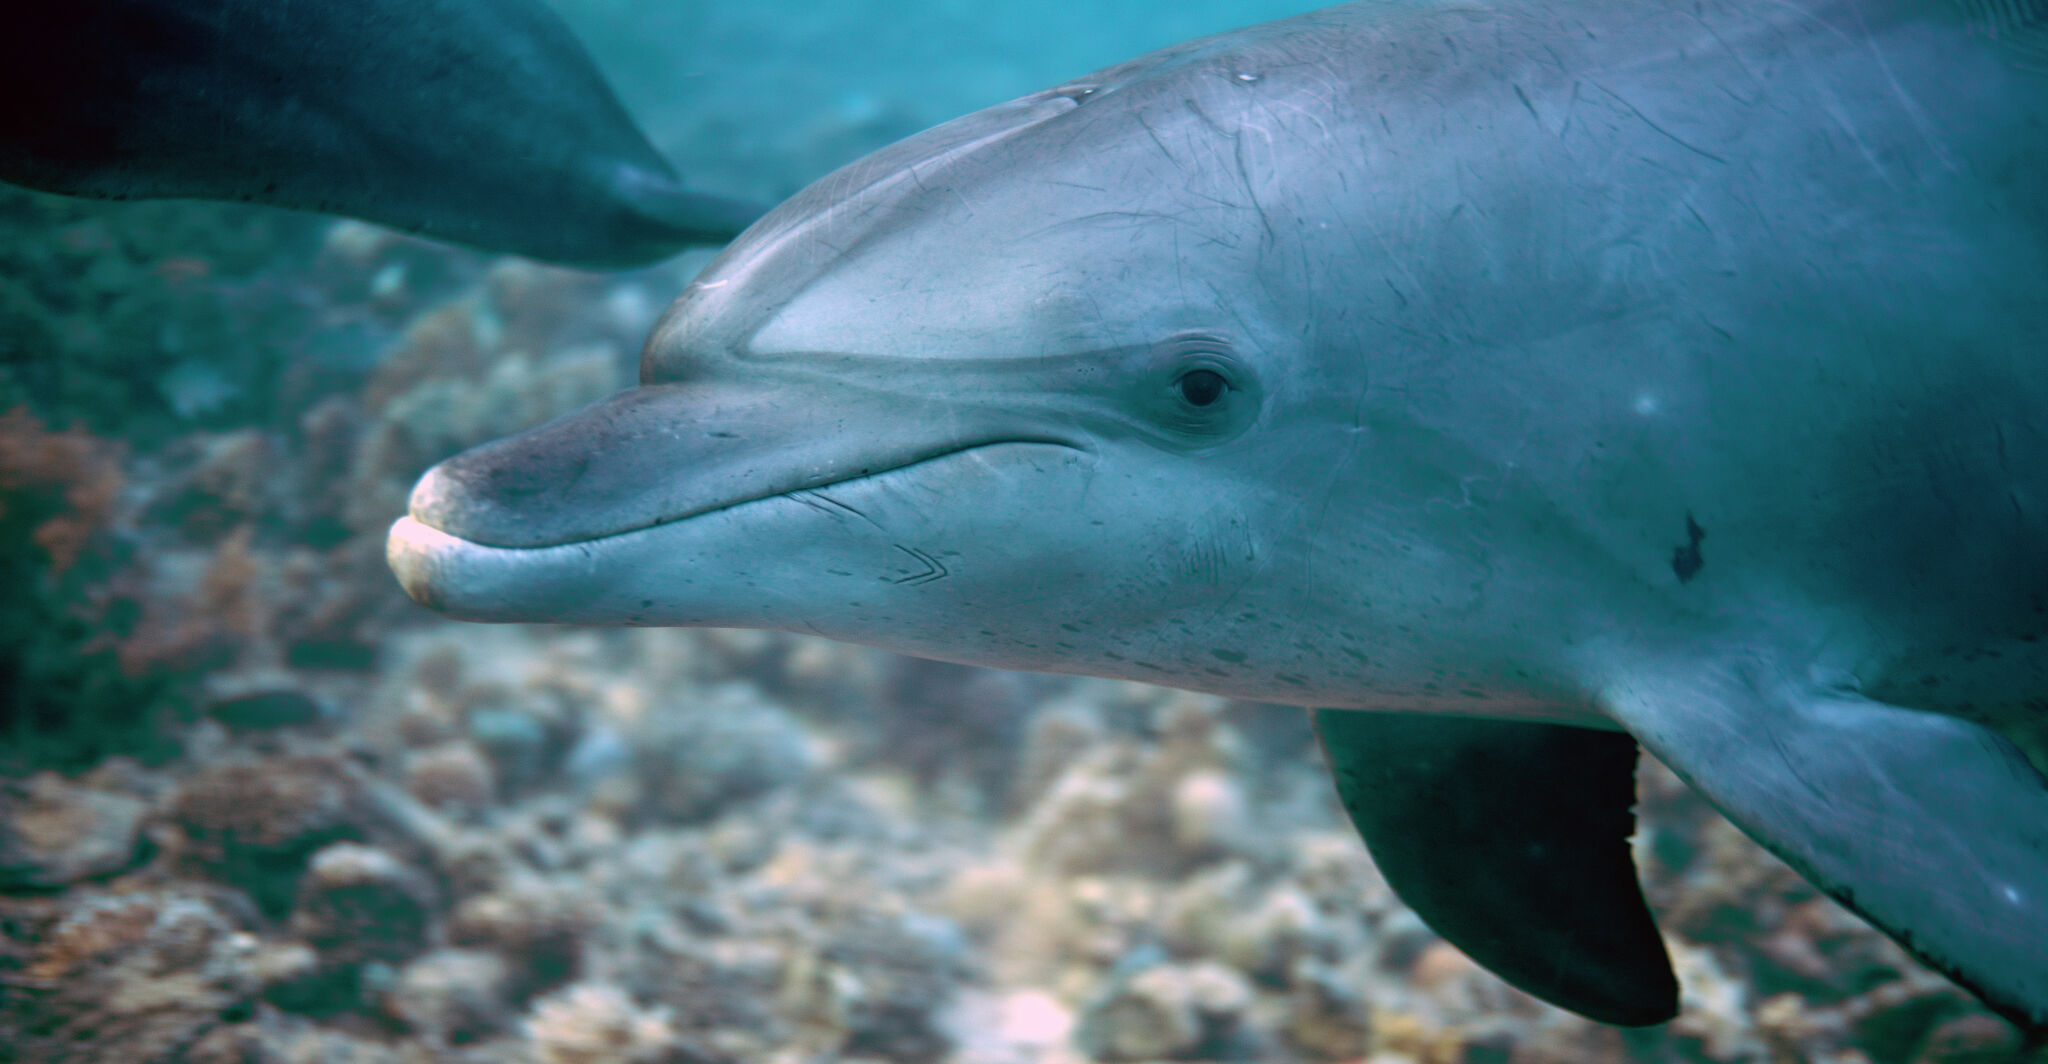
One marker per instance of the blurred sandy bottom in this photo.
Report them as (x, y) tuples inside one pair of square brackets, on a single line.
[(517, 844)]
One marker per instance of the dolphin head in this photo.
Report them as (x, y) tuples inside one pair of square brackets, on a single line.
[(1056, 386)]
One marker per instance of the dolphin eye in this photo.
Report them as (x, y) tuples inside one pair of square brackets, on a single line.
[(1201, 387), (1196, 388)]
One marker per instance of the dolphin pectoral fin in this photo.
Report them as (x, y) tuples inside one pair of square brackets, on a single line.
[(1510, 840), (1932, 828)]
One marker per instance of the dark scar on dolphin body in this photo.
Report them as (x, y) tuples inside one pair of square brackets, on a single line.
[(934, 569), (1686, 561)]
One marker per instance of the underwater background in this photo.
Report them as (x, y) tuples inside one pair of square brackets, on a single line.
[(255, 806)]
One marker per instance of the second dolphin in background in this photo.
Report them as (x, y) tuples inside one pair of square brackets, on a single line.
[(484, 124)]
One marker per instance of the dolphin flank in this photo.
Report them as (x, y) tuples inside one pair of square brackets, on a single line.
[(481, 122), (1517, 382)]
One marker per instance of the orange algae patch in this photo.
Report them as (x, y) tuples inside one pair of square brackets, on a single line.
[(57, 489)]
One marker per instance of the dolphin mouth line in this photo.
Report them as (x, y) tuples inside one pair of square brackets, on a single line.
[(792, 493)]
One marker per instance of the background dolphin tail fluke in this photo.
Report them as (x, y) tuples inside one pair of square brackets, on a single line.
[(680, 216), (485, 124)]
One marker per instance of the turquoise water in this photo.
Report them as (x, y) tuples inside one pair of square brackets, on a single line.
[(737, 89), (257, 806)]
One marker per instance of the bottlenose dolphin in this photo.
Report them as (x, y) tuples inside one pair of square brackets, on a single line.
[(482, 123), (1550, 377)]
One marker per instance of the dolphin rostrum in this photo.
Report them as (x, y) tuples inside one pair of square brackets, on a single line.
[(1556, 376), (482, 123)]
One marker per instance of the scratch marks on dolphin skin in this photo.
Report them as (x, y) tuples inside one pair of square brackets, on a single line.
[(1524, 97), (1194, 107), (1687, 203), (1571, 108), (1686, 561), (1928, 129), (818, 500), (1659, 130), (1709, 323), (1163, 149), (934, 570), (1251, 188), (1831, 102), (1136, 219), (805, 498)]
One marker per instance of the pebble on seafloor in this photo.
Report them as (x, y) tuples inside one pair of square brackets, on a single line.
[(254, 824), (1166, 1011), (359, 904), (54, 833), (597, 1023), (452, 996)]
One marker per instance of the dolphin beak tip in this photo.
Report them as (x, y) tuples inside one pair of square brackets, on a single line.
[(415, 552)]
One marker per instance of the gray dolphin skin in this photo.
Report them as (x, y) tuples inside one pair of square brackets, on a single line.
[(481, 122), (1547, 377)]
